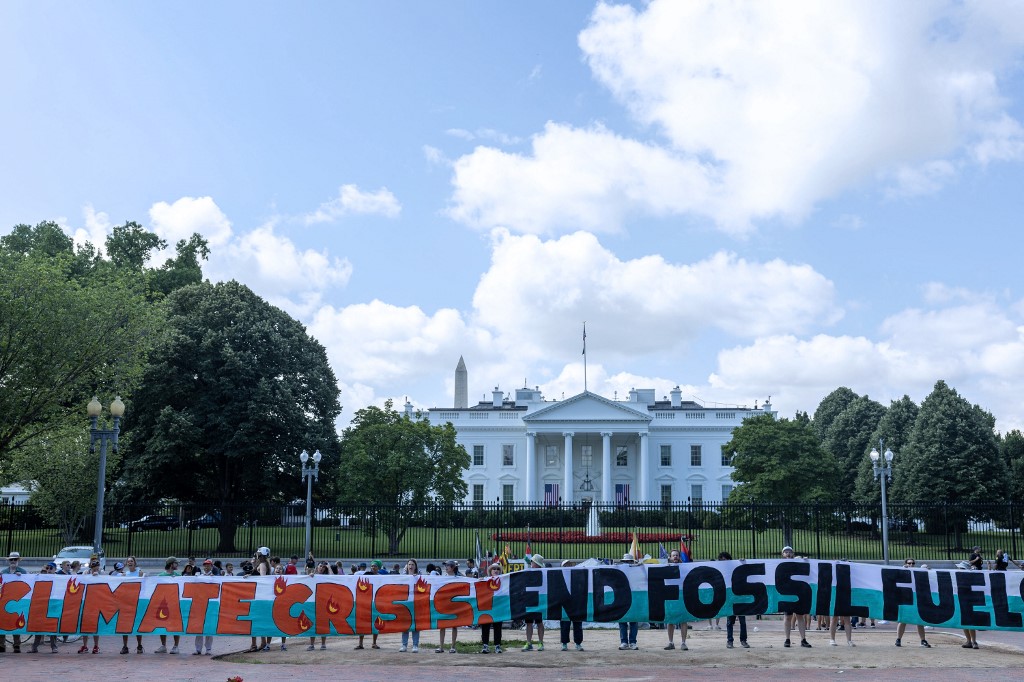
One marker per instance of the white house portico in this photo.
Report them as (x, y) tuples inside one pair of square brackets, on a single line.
[(524, 448)]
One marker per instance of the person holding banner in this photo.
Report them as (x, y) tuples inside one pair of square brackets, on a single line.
[(451, 570), (902, 627), (730, 622), (534, 619), (493, 571), (49, 569), (412, 567), (627, 631), (791, 617), (676, 557)]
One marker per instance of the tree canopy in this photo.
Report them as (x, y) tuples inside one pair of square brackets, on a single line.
[(233, 392), (848, 439), (400, 462)]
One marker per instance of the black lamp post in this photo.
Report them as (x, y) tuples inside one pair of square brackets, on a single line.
[(95, 409)]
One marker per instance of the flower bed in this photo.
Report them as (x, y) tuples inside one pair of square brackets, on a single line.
[(579, 536)]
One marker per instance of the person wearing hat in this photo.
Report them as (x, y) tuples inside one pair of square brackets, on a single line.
[(628, 631), (793, 617), (534, 619), (13, 568), (49, 568), (374, 569), (205, 640), (131, 570), (170, 571), (493, 572)]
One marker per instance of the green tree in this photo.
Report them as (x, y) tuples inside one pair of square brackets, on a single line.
[(830, 407), (894, 428), (779, 461), (61, 473), (848, 439), (400, 464), (232, 394), (952, 456), (1011, 448), (61, 340)]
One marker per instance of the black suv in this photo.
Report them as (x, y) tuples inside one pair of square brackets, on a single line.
[(154, 522), (204, 521)]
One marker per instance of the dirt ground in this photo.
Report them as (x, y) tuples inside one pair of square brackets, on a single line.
[(874, 649)]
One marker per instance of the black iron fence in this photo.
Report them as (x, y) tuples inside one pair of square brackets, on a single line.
[(940, 532)]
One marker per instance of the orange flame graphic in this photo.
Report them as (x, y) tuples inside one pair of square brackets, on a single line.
[(303, 621), (73, 586), (163, 612), (363, 584), (379, 624), (21, 621), (422, 586), (494, 583), (279, 585), (333, 606)]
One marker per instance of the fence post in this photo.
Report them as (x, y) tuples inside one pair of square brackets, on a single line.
[(1013, 531), (817, 530), (945, 527)]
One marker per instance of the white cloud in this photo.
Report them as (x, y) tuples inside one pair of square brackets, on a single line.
[(188, 215), (274, 267), (764, 109), (435, 156), (488, 134), (351, 200), (645, 305), (97, 229)]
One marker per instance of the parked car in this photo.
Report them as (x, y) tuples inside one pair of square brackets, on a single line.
[(204, 521), (154, 522), (82, 553)]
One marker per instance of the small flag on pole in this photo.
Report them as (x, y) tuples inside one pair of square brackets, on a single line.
[(634, 548), (479, 554), (684, 551), (584, 338), (662, 552)]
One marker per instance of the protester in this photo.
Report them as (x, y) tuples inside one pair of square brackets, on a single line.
[(13, 568), (412, 567), (901, 627), (131, 570), (206, 571), (451, 570), (730, 621), (374, 569), (628, 631), (534, 619), (674, 557), (94, 571), (493, 571), (793, 616), (170, 569), (48, 569)]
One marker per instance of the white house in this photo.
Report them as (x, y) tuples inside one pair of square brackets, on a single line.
[(15, 493), (524, 448)]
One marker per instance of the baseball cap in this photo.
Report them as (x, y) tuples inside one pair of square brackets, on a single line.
[(377, 563), (787, 548), (118, 566), (50, 564), (208, 561)]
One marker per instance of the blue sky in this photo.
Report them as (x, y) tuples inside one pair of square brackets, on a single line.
[(744, 199)]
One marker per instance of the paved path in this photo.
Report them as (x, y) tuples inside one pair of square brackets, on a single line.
[(707, 660)]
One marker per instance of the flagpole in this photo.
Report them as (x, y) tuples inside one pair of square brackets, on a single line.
[(584, 357)]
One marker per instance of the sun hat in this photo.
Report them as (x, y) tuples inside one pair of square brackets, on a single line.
[(263, 551), (14, 555), (787, 548), (628, 557), (537, 560)]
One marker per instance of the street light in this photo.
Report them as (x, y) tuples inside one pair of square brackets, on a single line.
[(310, 472), (883, 472), (94, 409)]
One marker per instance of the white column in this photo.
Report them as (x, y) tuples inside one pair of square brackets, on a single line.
[(645, 493), (606, 467), (567, 490), (530, 447)]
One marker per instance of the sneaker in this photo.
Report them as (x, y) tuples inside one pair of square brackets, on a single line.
[(805, 644), (728, 645), (497, 648), (452, 650), (53, 648), (634, 647), (312, 647), (850, 643), (173, 650), (579, 647), (683, 647), (786, 644), (323, 647), (529, 647), (670, 646), (966, 645), (197, 652), (925, 644), (284, 647), (743, 643), (540, 647), (565, 647), (85, 648), (415, 649), (832, 642), (161, 649), (485, 650), (209, 653), (623, 646), (438, 650), (974, 646), (139, 649), (124, 650), (899, 643)]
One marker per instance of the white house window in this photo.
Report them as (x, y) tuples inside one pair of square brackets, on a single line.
[(552, 456), (622, 457), (695, 455), (508, 455), (697, 493), (478, 455), (587, 455), (508, 493), (666, 495), (478, 494), (666, 455), (726, 459), (726, 492)]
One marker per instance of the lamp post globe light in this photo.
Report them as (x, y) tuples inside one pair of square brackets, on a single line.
[(310, 472), (95, 409), (881, 465)]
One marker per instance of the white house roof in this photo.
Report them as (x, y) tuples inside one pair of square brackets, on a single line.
[(589, 407)]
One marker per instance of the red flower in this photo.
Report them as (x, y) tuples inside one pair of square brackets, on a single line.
[(580, 537)]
